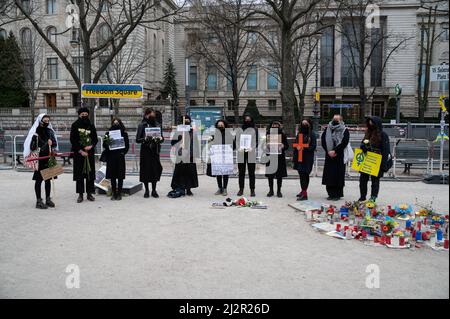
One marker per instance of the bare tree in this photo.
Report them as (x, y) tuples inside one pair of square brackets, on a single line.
[(366, 47), (221, 40), (104, 28), (429, 37)]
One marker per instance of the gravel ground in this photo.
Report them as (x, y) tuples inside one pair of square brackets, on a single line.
[(181, 248)]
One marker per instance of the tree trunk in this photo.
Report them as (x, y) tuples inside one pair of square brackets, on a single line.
[(288, 99), (235, 101)]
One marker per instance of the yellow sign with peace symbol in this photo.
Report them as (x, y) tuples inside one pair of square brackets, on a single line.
[(368, 162)]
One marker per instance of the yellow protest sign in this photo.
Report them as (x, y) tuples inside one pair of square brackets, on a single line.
[(368, 163)]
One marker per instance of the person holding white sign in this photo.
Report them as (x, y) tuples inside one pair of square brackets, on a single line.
[(116, 147), (247, 143), (221, 164)]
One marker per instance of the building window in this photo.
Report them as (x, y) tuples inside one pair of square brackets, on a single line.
[(25, 38), (163, 58), (105, 6), (252, 77), (192, 102), (3, 34), (230, 104), (75, 34), (444, 31), (50, 100), (51, 7), (103, 34), (272, 81), (76, 100), (52, 68), (212, 78), (376, 66), (378, 109), (78, 65), (26, 4), (272, 105), (51, 34), (211, 102), (28, 66), (193, 77), (103, 103), (252, 37), (350, 56), (324, 111), (422, 77), (327, 58)]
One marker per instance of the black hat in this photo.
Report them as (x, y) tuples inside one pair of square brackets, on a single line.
[(82, 110)]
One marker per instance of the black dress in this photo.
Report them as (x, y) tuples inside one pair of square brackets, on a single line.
[(150, 163), (334, 170), (307, 163), (41, 141), (282, 167), (185, 172), (115, 159), (78, 159)]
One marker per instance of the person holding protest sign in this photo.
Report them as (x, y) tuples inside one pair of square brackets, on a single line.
[(222, 137), (247, 142), (116, 147), (276, 147), (187, 151), (83, 137), (376, 141), (303, 158), (149, 135), (40, 142), (335, 139)]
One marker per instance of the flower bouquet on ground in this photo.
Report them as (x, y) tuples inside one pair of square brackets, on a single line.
[(85, 140)]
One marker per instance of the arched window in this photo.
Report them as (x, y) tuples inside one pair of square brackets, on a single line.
[(51, 34), (3, 34), (25, 37), (103, 33), (162, 53)]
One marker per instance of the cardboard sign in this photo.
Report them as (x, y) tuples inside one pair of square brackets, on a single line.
[(221, 160), (245, 142), (52, 172), (153, 131), (368, 163), (100, 179)]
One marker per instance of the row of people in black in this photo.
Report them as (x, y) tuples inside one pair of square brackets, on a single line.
[(334, 140)]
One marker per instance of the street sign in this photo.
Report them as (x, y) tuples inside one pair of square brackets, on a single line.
[(439, 73), (112, 91), (340, 106), (398, 89), (317, 97)]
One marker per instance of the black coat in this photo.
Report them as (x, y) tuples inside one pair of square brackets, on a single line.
[(307, 163), (185, 171), (281, 158), (41, 141), (226, 138), (334, 169), (115, 159), (150, 163), (383, 147), (78, 159)]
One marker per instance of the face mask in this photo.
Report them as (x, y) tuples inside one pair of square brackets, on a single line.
[(221, 128), (85, 120), (305, 127), (335, 122), (116, 125), (44, 124)]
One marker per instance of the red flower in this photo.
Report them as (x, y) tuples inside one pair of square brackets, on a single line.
[(385, 228)]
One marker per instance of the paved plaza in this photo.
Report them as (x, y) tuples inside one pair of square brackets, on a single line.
[(182, 248)]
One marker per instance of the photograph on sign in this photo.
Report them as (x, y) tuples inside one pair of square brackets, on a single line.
[(100, 179), (183, 128), (245, 142), (117, 140), (153, 132), (221, 157)]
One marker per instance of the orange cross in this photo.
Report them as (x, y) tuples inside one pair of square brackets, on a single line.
[(300, 146)]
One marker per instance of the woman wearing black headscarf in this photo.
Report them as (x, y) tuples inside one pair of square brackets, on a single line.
[(150, 163), (115, 160), (247, 158), (276, 166), (185, 176)]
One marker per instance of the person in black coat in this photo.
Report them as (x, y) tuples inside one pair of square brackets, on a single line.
[(276, 161), (377, 141), (222, 136), (150, 163), (115, 160), (42, 137), (335, 139), (247, 158), (304, 167), (185, 172), (80, 152)]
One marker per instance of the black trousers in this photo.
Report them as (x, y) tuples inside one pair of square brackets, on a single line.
[(335, 191), (90, 188), (304, 181), (153, 186), (251, 174), (279, 182), (37, 188), (222, 181), (117, 185), (364, 180)]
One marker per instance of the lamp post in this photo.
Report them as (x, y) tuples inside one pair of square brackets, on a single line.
[(74, 44), (316, 109)]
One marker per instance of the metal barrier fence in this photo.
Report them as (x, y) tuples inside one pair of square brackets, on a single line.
[(409, 153)]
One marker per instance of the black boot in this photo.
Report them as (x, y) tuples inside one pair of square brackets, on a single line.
[(241, 192), (155, 194), (252, 193), (279, 195), (113, 196), (80, 198), (270, 193), (146, 194), (189, 192), (49, 202), (90, 197), (40, 204), (119, 195)]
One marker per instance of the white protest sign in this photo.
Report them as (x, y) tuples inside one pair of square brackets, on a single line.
[(221, 160), (245, 142)]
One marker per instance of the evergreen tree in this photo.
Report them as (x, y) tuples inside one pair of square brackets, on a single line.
[(12, 77), (170, 84)]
